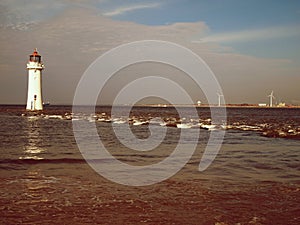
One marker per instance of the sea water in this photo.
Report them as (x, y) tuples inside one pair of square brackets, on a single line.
[(255, 178)]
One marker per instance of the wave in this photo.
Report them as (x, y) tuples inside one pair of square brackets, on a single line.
[(271, 126)]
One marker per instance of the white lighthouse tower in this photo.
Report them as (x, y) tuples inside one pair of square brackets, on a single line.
[(34, 94)]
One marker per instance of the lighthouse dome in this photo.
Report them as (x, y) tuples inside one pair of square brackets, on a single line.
[(35, 57)]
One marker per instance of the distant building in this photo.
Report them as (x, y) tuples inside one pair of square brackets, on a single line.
[(281, 104), (262, 104)]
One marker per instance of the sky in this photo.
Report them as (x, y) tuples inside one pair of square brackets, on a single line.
[(253, 47)]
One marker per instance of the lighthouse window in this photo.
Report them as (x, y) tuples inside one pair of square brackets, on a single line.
[(35, 58)]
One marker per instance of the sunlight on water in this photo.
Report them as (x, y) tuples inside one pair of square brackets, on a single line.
[(34, 139)]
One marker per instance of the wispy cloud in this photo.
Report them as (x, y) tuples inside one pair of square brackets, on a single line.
[(19, 16), (254, 35), (15, 14), (125, 9)]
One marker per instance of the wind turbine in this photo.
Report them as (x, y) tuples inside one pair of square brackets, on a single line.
[(219, 97), (271, 99)]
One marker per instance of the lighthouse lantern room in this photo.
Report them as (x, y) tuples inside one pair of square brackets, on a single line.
[(34, 94)]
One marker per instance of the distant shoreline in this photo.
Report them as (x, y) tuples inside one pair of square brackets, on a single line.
[(167, 106), (216, 106)]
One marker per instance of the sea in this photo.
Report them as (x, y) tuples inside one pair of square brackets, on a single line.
[(254, 178)]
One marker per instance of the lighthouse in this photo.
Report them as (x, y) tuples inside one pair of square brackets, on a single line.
[(34, 93)]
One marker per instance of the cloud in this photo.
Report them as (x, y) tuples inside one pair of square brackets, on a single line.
[(125, 9), (70, 42), (23, 16), (20, 15), (254, 35)]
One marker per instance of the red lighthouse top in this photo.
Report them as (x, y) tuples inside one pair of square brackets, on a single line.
[(35, 57)]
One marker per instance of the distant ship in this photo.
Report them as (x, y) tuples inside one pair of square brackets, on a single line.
[(46, 103)]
